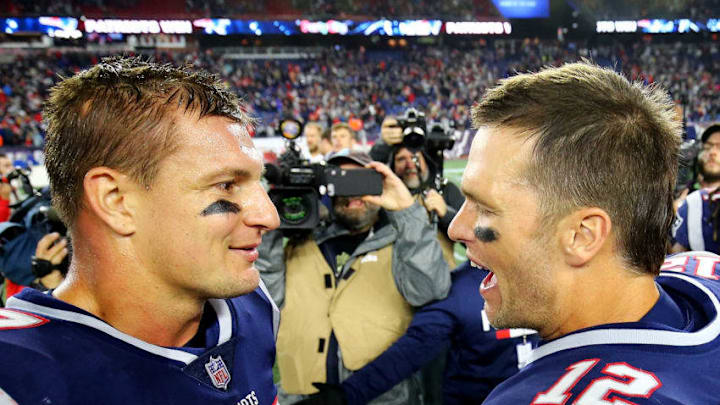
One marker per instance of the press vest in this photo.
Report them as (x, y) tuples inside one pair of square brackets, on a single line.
[(363, 308)]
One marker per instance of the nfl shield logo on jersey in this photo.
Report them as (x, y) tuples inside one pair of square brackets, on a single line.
[(218, 372)]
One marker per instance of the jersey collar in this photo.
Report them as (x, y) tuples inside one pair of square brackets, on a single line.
[(48, 306)]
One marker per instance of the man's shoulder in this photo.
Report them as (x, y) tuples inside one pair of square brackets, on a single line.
[(644, 363), (592, 375), (32, 349), (23, 333)]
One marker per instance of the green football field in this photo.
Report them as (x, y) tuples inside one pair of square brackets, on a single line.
[(453, 170)]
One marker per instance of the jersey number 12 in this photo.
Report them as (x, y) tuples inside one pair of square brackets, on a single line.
[(621, 379)]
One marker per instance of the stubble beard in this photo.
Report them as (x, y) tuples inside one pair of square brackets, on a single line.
[(531, 303), (357, 220), (710, 176)]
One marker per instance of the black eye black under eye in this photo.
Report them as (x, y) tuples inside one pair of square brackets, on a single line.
[(486, 234), (221, 207)]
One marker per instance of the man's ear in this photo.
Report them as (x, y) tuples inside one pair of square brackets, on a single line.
[(584, 233), (108, 194)]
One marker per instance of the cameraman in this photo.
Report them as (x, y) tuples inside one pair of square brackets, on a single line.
[(47, 268), (416, 171), (347, 291), (708, 163), (697, 222)]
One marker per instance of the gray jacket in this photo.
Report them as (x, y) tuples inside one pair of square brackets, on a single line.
[(421, 275)]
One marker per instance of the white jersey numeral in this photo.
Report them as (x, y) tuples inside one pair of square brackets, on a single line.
[(705, 264), (622, 379), (636, 383), (13, 319), (560, 391)]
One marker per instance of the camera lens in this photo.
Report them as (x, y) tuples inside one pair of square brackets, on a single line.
[(293, 209)]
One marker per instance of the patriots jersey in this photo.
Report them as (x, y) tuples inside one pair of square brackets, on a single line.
[(57, 354), (693, 227), (668, 357)]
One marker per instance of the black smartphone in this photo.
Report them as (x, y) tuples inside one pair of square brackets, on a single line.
[(352, 182)]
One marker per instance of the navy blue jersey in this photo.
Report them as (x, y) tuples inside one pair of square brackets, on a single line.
[(669, 357), (54, 353), (479, 357), (694, 226)]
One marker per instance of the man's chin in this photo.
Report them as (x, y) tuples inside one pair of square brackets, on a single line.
[(412, 183), (243, 283)]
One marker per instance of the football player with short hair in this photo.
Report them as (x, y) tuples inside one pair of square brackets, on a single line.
[(569, 201), (155, 175)]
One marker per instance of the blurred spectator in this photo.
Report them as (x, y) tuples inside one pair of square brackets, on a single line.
[(347, 290), (705, 168), (697, 223), (343, 137), (335, 87), (6, 167), (325, 143), (453, 9), (313, 138), (639, 9)]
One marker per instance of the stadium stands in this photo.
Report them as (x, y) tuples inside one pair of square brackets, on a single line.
[(456, 9), (337, 85)]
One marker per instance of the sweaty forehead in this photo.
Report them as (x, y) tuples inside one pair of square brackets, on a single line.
[(217, 138)]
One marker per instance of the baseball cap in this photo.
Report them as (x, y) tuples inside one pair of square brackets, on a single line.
[(353, 156), (709, 131)]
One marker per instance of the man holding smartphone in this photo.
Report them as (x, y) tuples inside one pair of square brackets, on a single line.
[(347, 290)]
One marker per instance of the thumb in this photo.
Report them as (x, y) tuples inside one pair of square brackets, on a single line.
[(372, 199)]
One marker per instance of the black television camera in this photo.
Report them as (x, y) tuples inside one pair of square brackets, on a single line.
[(434, 139), (297, 185)]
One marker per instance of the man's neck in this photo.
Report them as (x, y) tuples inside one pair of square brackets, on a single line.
[(624, 297), (137, 306)]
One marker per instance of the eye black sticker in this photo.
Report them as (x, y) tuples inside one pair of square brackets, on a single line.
[(486, 235), (221, 207)]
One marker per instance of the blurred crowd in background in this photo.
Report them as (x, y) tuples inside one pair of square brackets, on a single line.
[(362, 87)]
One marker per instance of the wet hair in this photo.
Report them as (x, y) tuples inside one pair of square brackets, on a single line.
[(599, 141), (122, 113)]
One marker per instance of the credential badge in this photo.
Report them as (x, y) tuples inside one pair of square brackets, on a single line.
[(218, 372)]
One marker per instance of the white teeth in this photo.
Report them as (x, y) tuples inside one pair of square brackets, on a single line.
[(478, 266)]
